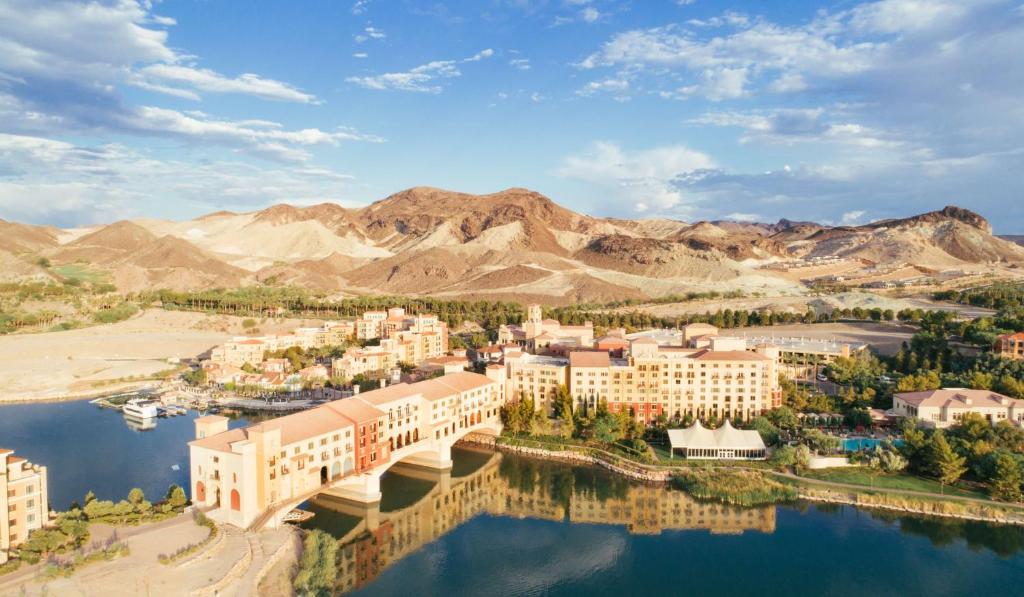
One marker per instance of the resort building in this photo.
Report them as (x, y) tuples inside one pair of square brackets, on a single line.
[(244, 349), (24, 503), (386, 324), (245, 475), (536, 333), (716, 382), (945, 407), (371, 362), (800, 358), (697, 442), (1010, 346), (537, 377)]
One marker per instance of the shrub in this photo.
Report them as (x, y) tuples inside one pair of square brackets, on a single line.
[(318, 567), (739, 487)]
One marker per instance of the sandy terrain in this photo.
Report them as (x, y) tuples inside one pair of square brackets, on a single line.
[(84, 362)]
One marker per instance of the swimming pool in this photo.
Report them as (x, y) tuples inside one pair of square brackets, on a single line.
[(853, 444)]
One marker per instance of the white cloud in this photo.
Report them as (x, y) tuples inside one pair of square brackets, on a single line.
[(897, 16), (739, 216), (425, 78), (520, 63), (360, 6), (103, 44), (66, 184), (360, 55), (718, 84), (616, 87), (643, 180), (480, 55), (64, 66), (208, 80), (590, 15), (852, 217)]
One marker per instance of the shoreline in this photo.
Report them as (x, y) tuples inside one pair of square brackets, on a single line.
[(79, 396), (805, 487)]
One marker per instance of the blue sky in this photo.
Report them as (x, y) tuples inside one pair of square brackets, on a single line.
[(842, 112)]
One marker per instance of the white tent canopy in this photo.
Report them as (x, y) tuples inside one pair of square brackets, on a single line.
[(724, 443)]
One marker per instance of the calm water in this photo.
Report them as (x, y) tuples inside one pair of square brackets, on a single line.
[(509, 525), (85, 447), (500, 524)]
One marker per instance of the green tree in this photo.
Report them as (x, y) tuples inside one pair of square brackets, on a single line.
[(136, 497), (783, 457), (176, 497), (769, 432), (562, 401), (801, 458), (945, 464), (784, 418), (1006, 478), (510, 417)]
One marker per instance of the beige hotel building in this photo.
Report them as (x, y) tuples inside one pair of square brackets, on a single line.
[(721, 380), (24, 505)]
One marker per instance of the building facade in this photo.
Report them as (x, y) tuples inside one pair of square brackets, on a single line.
[(24, 502), (945, 407), (1010, 346), (536, 377), (242, 473), (673, 381)]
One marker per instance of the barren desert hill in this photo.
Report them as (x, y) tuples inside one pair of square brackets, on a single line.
[(426, 240)]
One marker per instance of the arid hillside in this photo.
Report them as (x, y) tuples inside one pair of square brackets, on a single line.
[(511, 244)]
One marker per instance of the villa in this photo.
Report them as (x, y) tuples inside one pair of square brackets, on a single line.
[(945, 407)]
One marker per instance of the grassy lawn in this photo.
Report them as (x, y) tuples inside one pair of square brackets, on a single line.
[(81, 272), (860, 476)]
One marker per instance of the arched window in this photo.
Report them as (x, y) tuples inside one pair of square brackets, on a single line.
[(236, 500)]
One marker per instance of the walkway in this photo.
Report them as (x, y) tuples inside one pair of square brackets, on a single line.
[(232, 564), (890, 490)]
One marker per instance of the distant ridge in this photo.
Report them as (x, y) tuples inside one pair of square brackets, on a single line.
[(513, 243)]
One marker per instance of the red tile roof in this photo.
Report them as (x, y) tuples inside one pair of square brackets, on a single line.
[(589, 359)]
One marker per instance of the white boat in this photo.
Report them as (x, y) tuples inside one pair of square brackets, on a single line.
[(141, 408)]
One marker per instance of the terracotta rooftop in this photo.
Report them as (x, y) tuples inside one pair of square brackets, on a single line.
[(959, 398), (589, 359), (354, 409), (645, 340)]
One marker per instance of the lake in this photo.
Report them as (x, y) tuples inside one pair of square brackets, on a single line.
[(88, 448), (502, 524)]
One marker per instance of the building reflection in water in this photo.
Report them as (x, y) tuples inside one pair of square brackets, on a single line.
[(522, 488)]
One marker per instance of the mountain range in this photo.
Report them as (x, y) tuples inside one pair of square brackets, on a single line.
[(514, 244)]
